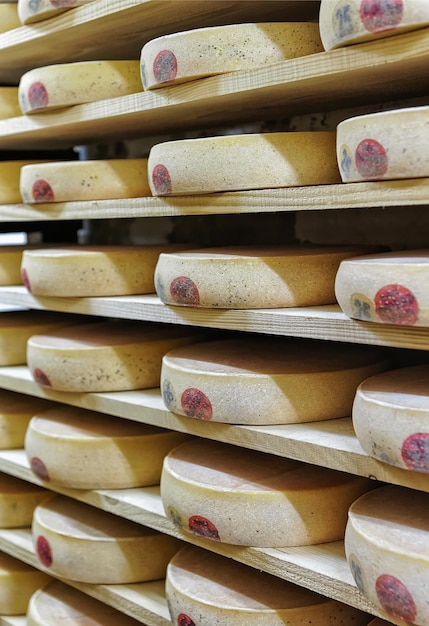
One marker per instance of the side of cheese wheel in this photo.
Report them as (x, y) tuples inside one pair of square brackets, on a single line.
[(9, 19), (16, 411), (240, 162), (265, 380), (18, 499), (185, 56), (244, 277), (18, 582), (10, 265), (81, 449), (67, 181), (387, 548), (103, 356), (76, 541), (9, 102), (10, 174), (345, 22), (391, 417), (67, 84), (30, 12), (388, 145), (250, 498), (206, 588), (388, 288)]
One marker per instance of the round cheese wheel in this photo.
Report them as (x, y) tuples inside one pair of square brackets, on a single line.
[(9, 102), (388, 288), (384, 146), (18, 582), (240, 162), (16, 411), (18, 499), (10, 173), (9, 19), (103, 356), (205, 588), (267, 380), (30, 12), (79, 542), (81, 449), (245, 277), (386, 542), (66, 84), (345, 22), (391, 417), (250, 498), (69, 181), (185, 56)]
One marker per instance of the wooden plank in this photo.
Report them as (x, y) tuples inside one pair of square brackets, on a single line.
[(16, 620)]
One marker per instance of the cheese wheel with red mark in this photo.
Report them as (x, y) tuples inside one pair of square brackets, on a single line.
[(66, 84), (16, 411), (81, 449), (246, 277), (9, 102), (68, 181), (18, 582), (249, 498), (345, 22), (186, 56), (30, 12), (240, 162), (260, 381), (9, 19), (10, 174), (206, 588), (387, 288), (386, 542), (18, 499), (79, 542), (389, 145)]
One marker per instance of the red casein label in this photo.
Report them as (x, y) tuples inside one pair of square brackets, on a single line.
[(371, 159), (184, 620), (25, 279), (203, 527), (183, 290), (395, 304), (395, 598), (39, 468), (379, 15), (415, 452), (161, 180), (165, 66), (196, 404), (38, 96), (42, 192), (41, 378), (44, 551)]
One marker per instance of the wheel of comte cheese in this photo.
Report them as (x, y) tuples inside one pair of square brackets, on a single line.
[(10, 265), (386, 544), (240, 162), (388, 288), (18, 499), (79, 542), (10, 174), (30, 11), (267, 380), (250, 498), (9, 102), (205, 588), (186, 56), (18, 582), (16, 411)]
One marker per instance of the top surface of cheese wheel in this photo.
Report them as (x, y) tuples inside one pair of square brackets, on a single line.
[(404, 388), (30, 11), (193, 54)]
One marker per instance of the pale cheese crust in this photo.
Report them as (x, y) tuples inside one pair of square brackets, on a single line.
[(10, 174), (18, 499), (18, 582), (9, 102), (16, 411), (9, 19), (10, 265), (30, 12)]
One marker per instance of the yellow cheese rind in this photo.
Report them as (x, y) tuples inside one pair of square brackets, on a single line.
[(10, 265), (18, 581), (9, 102), (16, 410), (18, 499), (10, 173), (249, 498), (240, 162), (76, 541), (30, 12), (67, 84), (186, 56), (9, 19)]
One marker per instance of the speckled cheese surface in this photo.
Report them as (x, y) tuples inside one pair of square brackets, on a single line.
[(76, 541), (16, 410), (18, 581), (9, 102), (10, 174), (30, 11), (18, 499), (186, 56), (9, 19), (244, 497)]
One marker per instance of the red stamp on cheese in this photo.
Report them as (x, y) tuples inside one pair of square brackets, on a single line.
[(44, 551), (38, 96), (184, 620), (25, 279), (183, 290), (161, 180), (165, 66), (395, 598), (203, 527), (42, 191), (371, 159), (395, 304), (39, 468), (380, 15), (41, 378), (196, 404), (415, 452)]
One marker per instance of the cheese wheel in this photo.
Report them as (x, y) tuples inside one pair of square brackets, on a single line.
[(18, 499), (103, 356), (345, 22), (205, 588), (69, 181), (9, 102), (386, 542), (391, 417), (16, 411), (250, 498), (388, 288), (265, 380), (80, 449), (18, 581), (243, 277), (30, 12), (240, 162), (186, 56), (384, 146), (10, 265), (67, 84), (79, 542), (9, 19), (10, 173)]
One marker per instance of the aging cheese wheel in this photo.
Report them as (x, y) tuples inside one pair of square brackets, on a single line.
[(18, 499), (103, 356), (30, 11), (16, 411), (250, 498), (79, 542), (244, 277), (10, 173), (391, 417), (67, 84), (205, 588), (383, 146), (387, 547), (9, 102), (344, 22), (84, 180), (186, 56), (18, 582), (9, 19), (81, 449), (265, 380), (240, 162), (389, 288)]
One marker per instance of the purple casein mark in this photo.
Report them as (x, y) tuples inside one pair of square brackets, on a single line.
[(38, 96), (395, 304), (415, 452), (380, 15), (39, 468), (25, 279), (183, 290), (161, 180), (395, 598), (371, 159), (42, 191), (203, 527), (44, 551), (41, 378), (165, 66), (196, 404)]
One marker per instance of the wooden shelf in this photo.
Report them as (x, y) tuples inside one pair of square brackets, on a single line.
[(15, 620)]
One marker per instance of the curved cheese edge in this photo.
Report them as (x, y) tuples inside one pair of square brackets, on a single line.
[(16, 410), (18, 499), (30, 12), (18, 581), (241, 162), (10, 173), (9, 102), (9, 19), (186, 56)]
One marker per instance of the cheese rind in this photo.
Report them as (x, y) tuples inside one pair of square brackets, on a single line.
[(16, 410), (10, 173), (9, 102), (18, 581), (10, 265), (9, 19), (30, 12), (18, 499)]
